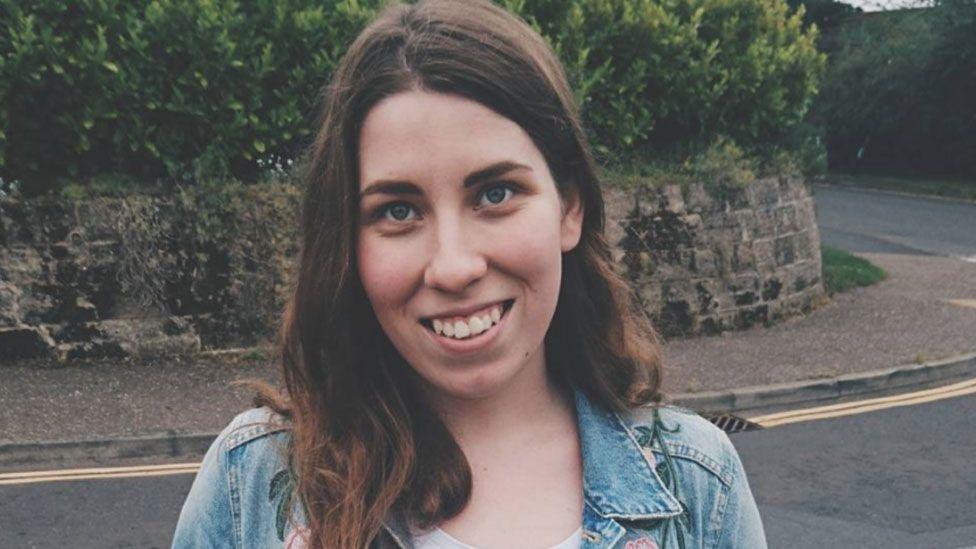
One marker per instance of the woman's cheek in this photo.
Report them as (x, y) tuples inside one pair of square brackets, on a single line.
[(385, 270), (536, 248)]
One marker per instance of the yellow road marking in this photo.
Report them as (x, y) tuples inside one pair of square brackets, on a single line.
[(29, 477), (850, 408), (963, 302), (767, 420)]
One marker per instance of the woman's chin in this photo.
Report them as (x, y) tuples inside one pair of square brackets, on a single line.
[(470, 385)]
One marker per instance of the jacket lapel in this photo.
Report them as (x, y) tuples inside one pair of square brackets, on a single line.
[(619, 482)]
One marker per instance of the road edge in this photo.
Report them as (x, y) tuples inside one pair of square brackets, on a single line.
[(765, 397), (71, 452), (827, 390), (908, 194)]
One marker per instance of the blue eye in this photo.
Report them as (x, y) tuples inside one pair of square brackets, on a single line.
[(398, 210), (496, 194)]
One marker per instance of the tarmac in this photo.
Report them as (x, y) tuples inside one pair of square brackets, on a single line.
[(915, 329)]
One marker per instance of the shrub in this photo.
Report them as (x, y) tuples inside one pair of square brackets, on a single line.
[(189, 90), (654, 76), (899, 88), (181, 89)]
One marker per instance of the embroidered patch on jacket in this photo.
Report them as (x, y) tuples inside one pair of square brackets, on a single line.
[(298, 538), (641, 543), (279, 493), (650, 437)]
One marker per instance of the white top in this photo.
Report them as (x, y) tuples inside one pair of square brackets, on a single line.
[(439, 539)]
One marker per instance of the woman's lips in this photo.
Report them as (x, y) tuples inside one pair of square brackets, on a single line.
[(470, 344)]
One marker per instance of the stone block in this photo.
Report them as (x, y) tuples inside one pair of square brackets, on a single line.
[(9, 305), (699, 200), (24, 342), (784, 250), (672, 200), (771, 289), (750, 316)]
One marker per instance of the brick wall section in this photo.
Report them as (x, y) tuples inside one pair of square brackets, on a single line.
[(704, 262), (59, 293), (701, 262)]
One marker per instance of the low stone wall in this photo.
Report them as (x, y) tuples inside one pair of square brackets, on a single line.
[(704, 262), (143, 276)]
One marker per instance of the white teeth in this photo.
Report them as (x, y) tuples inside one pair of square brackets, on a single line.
[(474, 325), (477, 326)]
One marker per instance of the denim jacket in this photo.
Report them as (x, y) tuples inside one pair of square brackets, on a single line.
[(654, 478)]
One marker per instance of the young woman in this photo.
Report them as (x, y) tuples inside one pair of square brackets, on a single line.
[(463, 367)]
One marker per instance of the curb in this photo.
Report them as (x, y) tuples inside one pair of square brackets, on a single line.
[(908, 194), (54, 453), (194, 445), (819, 391)]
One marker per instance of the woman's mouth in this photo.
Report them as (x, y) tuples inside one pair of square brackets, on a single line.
[(470, 326)]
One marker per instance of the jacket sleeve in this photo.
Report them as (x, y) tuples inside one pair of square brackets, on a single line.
[(741, 524), (206, 519)]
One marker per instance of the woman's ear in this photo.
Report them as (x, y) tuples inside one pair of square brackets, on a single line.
[(571, 227)]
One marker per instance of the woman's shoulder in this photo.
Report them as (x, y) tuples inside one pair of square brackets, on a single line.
[(684, 434), (239, 491), (250, 426)]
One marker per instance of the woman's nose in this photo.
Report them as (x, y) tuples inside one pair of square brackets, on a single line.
[(456, 262)]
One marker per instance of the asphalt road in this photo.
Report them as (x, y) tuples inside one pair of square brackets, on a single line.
[(895, 478), (871, 221)]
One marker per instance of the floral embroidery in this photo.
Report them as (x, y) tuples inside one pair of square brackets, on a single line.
[(642, 543), (649, 437), (298, 538), (279, 493)]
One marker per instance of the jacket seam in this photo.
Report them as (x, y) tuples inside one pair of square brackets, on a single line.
[(725, 496), (235, 501), (248, 432), (690, 453)]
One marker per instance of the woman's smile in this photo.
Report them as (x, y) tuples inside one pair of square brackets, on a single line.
[(465, 336)]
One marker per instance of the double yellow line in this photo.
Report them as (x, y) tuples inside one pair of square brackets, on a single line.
[(768, 420), (30, 477), (836, 410)]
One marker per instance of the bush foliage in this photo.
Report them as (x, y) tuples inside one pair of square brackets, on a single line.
[(193, 89), (898, 93)]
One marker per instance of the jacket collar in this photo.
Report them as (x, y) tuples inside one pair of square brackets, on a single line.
[(619, 480)]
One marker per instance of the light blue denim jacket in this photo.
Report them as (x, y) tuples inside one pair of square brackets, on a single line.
[(656, 477)]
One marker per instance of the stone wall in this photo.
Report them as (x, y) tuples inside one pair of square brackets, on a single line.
[(143, 276), (707, 261)]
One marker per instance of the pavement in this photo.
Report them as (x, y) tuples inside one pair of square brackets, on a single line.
[(916, 328)]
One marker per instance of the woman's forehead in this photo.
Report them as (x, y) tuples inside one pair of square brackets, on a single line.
[(418, 136)]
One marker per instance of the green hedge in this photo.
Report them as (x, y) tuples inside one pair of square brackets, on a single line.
[(899, 91), (193, 89)]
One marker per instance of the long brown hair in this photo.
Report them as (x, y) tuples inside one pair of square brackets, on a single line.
[(363, 442)]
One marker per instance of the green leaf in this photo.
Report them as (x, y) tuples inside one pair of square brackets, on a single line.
[(110, 66), (278, 482), (259, 146)]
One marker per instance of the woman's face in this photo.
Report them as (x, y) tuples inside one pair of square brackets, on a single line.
[(461, 232)]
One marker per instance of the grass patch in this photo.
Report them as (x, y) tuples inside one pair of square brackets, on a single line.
[(843, 271), (916, 184)]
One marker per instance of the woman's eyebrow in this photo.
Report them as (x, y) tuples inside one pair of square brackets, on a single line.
[(393, 186)]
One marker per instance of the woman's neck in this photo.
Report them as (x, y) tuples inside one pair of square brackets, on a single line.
[(529, 404)]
